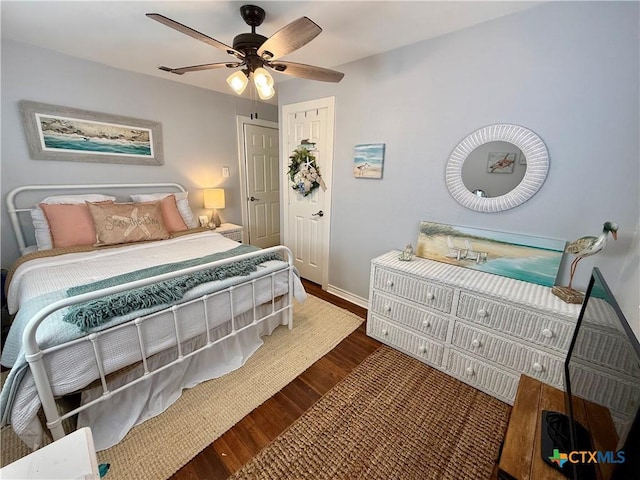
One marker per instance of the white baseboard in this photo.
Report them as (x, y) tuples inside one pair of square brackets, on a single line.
[(349, 297)]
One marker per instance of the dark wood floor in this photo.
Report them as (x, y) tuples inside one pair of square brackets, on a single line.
[(233, 449)]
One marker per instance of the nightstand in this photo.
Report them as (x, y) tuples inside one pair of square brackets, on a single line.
[(230, 230), (73, 456)]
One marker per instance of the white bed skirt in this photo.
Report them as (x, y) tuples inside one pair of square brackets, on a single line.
[(111, 419)]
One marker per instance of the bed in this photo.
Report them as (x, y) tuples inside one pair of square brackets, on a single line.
[(125, 327)]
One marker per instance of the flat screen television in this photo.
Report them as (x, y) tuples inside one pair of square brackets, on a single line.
[(602, 367)]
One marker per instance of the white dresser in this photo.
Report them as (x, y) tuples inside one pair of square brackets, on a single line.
[(481, 328)]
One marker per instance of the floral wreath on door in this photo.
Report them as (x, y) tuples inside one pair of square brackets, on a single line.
[(303, 170)]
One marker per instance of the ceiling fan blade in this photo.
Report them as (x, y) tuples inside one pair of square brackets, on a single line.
[(289, 38), (195, 68), (194, 33), (307, 71)]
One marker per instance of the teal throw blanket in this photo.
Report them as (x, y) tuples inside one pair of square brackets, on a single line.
[(97, 312)]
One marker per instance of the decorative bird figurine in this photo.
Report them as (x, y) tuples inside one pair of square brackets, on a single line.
[(589, 245)]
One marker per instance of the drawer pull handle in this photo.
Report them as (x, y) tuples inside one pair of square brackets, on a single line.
[(385, 332), (469, 371), (430, 296), (483, 313), (426, 323), (547, 333), (389, 283), (537, 367), (422, 348), (475, 343), (387, 308)]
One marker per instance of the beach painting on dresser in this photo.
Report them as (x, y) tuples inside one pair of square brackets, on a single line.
[(523, 257)]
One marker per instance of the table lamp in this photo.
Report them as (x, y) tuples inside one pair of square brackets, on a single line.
[(213, 200)]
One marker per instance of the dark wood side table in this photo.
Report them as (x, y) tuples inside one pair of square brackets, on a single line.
[(521, 458)]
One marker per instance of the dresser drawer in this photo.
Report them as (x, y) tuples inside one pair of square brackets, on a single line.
[(426, 350), (546, 368), (420, 320), (417, 290), (485, 377), (521, 323)]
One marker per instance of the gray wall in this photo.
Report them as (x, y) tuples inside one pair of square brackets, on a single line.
[(566, 70), (198, 127)]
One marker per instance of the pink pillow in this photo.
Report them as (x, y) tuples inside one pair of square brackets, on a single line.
[(70, 224), (172, 219)]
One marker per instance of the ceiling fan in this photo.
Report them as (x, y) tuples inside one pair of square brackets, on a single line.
[(253, 52)]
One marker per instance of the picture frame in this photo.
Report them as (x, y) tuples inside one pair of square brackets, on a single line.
[(501, 162), (204, 220), (523, 257), (69, 134), (368, 160)]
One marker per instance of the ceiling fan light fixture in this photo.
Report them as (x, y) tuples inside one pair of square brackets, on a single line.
[(266, 92), (252, 52), (262, 78), (238, 81)]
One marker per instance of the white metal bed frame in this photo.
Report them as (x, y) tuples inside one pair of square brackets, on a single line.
[(34, 355)]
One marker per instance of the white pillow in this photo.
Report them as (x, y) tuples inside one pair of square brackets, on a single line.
[(182, 203), (40, 224)]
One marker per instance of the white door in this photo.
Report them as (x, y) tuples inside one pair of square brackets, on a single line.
[(262, 185), (307, 219)]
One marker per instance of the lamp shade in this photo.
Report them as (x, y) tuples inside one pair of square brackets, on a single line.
[(238, 81), (264, 83), (262, 78), (214, 198)]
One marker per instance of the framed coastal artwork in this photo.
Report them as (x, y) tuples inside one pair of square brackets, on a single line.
[(501, 162), (368, 160), (523, 257), (70, 134)]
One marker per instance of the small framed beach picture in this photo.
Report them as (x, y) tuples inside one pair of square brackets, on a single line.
[(71, 134), (368, 160), (501, 162)]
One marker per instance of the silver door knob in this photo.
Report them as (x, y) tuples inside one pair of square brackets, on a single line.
[(253, 199), (318, 214)]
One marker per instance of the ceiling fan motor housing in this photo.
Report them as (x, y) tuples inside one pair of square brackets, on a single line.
[(248, 41)]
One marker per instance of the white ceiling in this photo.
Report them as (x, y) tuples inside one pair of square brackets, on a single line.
[(117, 33)]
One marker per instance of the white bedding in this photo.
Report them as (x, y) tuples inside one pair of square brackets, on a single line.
[(49, 275)]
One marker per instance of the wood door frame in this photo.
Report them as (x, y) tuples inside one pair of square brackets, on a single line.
[(241, 121), (327, 173)]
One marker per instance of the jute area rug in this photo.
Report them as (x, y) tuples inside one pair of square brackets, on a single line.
[(392, 418), (159, 447)]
